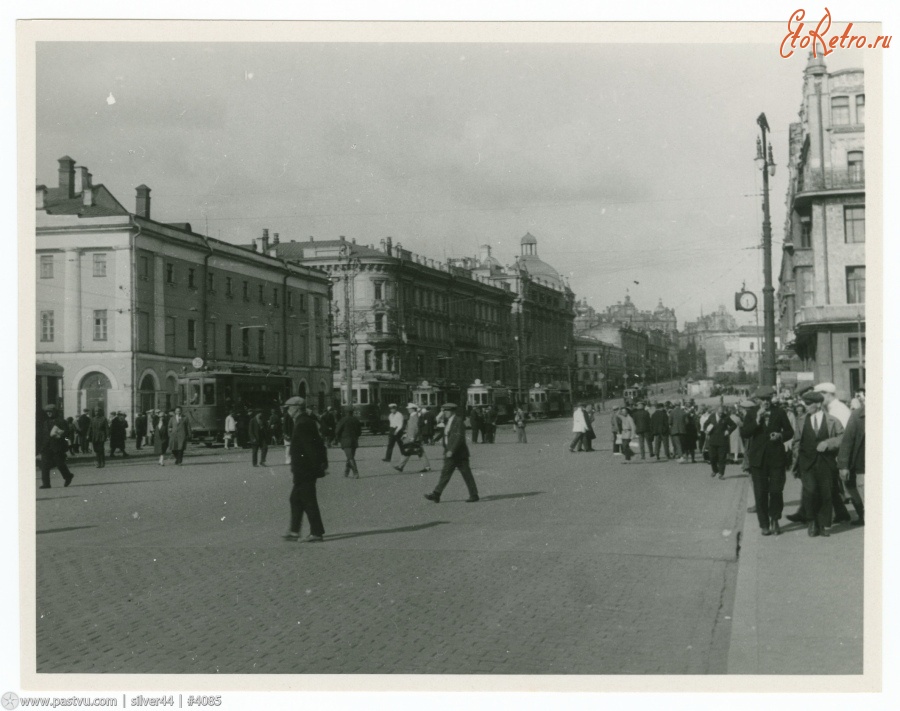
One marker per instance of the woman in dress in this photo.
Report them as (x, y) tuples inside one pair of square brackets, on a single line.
[(161, 440)]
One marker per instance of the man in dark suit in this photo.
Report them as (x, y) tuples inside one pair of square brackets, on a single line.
[(677, 431), (766, 428), (99, 433), (642, 429), (179, 434), (719, 427), (659, 427), (260, 434), (309, 463), (52, 446), (347, 434), (140, 429), (851, 460), (84, 429), (456, 456)]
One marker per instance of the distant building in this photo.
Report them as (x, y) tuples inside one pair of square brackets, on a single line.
[(661, 319), (125, 304), (600, 368), (717, 345), (822, 282)]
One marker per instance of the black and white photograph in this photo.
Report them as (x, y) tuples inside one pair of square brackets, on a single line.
[(443, 355)]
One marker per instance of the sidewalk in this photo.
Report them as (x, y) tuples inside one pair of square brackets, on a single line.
[(798, 605)]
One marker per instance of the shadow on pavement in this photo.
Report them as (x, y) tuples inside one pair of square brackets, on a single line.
[(379, 531), (63, 530), (55, 498), (498, 497), (115, 483)]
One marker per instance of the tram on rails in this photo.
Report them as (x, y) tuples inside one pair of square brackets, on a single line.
[(48, 391), (206, 398), (371, 398), (547, 401), (500, 398), (428, 395)]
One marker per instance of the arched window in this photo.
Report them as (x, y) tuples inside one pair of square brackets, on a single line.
[(93, 390)]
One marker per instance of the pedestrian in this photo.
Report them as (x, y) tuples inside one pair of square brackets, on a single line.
[(766, 428), (309, 463), (395, 430), (475, 422), (851, 460), (243, 428), (456, 456), (327, 424), (259, 438), (426, 423), (676, 430), (84, 429), (519, 420), (153, 425), (161, 440), (701, 431), (287, 426), (815, 458), (642, 429), (140, 430), (490, 425), (628, 432), (616, 427), (99, 433), (689, 438), (71, 434), (832, 405), (659, 428), (275, 434), (719, 427), (118, 430), (52, 447), (589, 435), (179, 434), (230, 431), (579, 427), (412, 440), (347, 433)]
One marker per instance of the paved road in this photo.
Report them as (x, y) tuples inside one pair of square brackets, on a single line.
[(570, 564)]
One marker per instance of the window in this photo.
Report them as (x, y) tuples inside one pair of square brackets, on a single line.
[(806, 294), (261, 346), (855, 223), (209, 344), (368, 358), (144, 267), (840, 110), (261, 293), (379, 323), (290, 299), (861, 109), (275, 298), (209, 392), (229, 286), (46, 326), (228, 338), (853, 348), (320, 351), (191, 274), (303, 302), (379, 291), (170, 335), (143, 331), (246, 291), (302, 350), (856, 285), (751, 346), (210, 282), (170, 273), (99, 265), (245, 342), (46, 266), (192, 334), (100, 325), (855, 166), (806, 232)]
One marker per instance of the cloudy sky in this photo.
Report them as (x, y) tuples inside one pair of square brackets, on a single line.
[(629, 163)]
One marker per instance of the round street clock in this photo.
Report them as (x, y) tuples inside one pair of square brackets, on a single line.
[(747, 300)]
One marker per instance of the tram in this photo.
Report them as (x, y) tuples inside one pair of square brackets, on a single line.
[(206, 398), (632, 394), (427, 395), (496, 396), (371, 398), (547, 401), (48, 391)]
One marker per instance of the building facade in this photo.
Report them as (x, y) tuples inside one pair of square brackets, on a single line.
[(822, 282), (125, 304)]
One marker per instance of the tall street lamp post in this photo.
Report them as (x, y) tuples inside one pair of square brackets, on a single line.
[(766, 163)]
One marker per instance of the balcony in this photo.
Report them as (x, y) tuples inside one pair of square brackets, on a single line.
[(846, 179), (810, 316)]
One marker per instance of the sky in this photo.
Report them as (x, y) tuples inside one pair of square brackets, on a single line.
[(632, 164)]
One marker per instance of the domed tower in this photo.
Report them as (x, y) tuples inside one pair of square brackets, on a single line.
[(529, 245)]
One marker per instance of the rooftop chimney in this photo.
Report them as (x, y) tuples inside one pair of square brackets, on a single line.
[(87, 196), (40, 197), (383, 246), (255, 246), (142, 202), (342, 238), (353, 240), (275, 239), (67, 176), (82, 179), (390, 246), (264, 242)]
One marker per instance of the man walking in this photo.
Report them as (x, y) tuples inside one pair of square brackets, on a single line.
[(579, 427), (851, 460), (327, 424), (118, 429), (659, 427), (642, 429), (677, 430), (99, 433), (616, 427), (259, 438), (766, 429), (84, 431), (52, 447), (140, 430), (287, 427), (815, 453), (230, 431), (347, 434), (309, 463), (719, 427), (456, 456), (413, 439), (395, 433), (476, 422), (179, 434), (841, 413), (520, 419)]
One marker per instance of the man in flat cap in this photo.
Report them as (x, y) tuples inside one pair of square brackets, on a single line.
[(833, 406), (396, 425), (766, 428), (52, 447), (815, 452), (456, 456), (309, 463)]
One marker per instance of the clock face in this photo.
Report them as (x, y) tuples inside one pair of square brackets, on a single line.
[(748, 301)]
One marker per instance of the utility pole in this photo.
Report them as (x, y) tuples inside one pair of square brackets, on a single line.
[(767, 164)]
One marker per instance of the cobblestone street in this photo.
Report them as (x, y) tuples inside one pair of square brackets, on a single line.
[(570, 564)]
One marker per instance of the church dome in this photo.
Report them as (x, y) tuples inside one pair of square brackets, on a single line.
[(534, 265)]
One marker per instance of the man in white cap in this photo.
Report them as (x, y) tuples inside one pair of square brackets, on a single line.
[(412, 439), (833, 406), (456, 456), (396, 423), (309, 463)]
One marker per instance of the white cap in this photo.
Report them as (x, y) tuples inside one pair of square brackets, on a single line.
[(412, 406), (825, 388)]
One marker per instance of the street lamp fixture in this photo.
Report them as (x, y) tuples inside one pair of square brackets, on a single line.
[(766, 163)]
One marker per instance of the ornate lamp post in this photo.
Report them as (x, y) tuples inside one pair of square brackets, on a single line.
[(766, 163)]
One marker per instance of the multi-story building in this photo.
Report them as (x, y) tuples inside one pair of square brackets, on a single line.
[(600, 368), (126, 304), (410, 318), (822, 283), (661, 318)]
